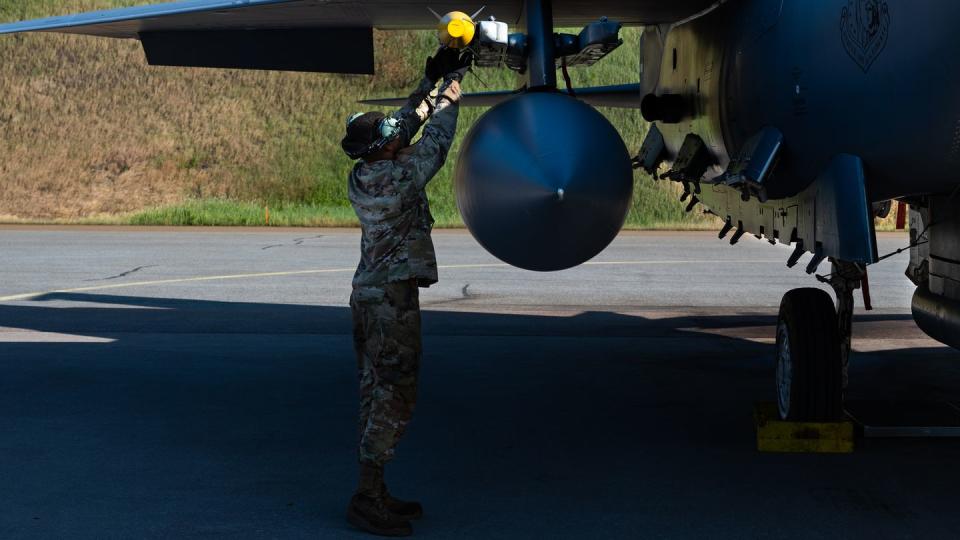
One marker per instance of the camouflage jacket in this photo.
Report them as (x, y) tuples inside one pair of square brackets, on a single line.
[(389, 199)]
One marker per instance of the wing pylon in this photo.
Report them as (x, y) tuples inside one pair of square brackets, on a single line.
[(620, 96)]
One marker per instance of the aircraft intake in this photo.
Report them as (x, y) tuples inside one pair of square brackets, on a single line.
[(543, 181)]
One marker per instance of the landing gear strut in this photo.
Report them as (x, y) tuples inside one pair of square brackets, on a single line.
[(813, 346), (846, 277)]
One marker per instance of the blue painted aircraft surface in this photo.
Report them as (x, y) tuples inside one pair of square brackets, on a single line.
[(792, 120)]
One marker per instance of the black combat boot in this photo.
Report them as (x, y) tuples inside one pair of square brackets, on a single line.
[(368, 506), (403, 509)]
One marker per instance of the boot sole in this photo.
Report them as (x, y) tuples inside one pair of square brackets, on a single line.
[(408, 517), (360, 522)]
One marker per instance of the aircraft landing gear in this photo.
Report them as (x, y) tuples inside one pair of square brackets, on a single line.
[(809, 370), (813, 347)]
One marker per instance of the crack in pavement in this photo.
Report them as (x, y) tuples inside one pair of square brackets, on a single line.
[(296, 242), (123, 274), (466, 295)]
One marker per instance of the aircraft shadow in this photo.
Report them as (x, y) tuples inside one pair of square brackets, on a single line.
[(188, 418)]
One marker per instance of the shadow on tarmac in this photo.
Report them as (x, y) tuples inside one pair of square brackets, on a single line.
[(215, 419)]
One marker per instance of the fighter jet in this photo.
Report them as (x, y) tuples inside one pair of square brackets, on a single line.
[(795, 121)]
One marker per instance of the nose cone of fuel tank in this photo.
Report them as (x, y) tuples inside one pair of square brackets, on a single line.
[(544, 181)]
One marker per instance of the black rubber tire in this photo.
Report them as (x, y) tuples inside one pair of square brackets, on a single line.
[(816, 374)]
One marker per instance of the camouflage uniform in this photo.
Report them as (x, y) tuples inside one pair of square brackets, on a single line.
[(397, 257)]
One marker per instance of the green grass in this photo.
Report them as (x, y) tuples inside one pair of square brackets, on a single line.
[(89, 133), (211, 212), (224, 212)]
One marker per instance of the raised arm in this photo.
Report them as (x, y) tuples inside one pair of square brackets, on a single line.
[(419, 105), (420, 162), (416, 110)]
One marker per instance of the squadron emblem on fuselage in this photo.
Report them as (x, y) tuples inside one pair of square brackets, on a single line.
[(864, 27)]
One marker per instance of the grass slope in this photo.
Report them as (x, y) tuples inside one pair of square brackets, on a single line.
[(89, 133)]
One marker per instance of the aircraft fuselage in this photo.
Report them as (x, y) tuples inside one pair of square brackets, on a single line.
[(872, 78)]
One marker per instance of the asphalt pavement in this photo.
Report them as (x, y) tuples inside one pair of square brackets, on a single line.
[(183, 383)]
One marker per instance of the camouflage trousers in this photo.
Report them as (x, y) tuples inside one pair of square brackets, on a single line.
[(386, 338)]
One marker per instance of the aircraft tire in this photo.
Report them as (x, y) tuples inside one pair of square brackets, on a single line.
[(809, 370)]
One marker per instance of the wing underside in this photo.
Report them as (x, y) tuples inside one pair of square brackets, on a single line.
[(311, 35), (386, 14)]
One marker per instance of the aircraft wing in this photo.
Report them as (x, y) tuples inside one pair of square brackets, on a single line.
[(386, 14), (311, 35)]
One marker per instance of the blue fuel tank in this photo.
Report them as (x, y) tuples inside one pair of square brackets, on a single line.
[(544, 181)]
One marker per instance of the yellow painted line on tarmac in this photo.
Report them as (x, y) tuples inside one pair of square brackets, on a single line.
[(27, 296)]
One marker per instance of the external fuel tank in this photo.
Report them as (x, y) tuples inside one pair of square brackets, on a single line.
[(543, 181)]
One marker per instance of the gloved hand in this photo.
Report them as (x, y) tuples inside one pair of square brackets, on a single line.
[(459, 69), (442, 62)]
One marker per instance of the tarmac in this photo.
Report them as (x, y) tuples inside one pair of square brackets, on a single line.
[(186, 383)]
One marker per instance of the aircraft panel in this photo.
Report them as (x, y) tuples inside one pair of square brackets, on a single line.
[(385, 14)]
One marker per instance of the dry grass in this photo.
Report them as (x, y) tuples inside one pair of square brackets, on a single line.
[(89, 132), (88, 128)]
